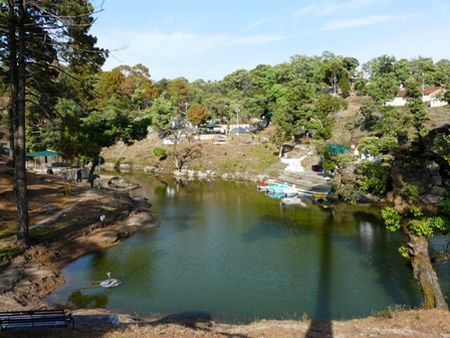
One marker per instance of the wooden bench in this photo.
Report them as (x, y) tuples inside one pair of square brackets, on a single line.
[(35, 319)]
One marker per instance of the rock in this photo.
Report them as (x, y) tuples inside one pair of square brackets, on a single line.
[(150, 169), (435, 196), (201, 174), (121, 183), (261, 178), (125, 167), (108, 166), (435, 180)]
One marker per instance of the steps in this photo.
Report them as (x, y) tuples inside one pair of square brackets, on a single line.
[(302, 180)]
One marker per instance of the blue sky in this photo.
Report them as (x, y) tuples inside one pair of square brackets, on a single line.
[(209, 39)]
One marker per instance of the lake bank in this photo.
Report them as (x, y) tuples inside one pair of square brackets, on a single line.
[(63, 229), (434, 323), (386, 324), (227, 249)]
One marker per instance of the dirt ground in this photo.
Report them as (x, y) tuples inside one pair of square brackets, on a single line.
[(244, 153), (389, 324), (62, 228)]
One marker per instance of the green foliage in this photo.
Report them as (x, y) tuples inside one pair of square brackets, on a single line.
[(411, 192), (347, 193), (428, 225), (377, 146), (159, 152), (104, 129), (331, 160), (382, 88), (404, 252), (445, 206), (373, 177), (415, 211), (162, 112), (392, 219)]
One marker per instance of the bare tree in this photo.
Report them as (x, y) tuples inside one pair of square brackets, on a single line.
[(184, 148)]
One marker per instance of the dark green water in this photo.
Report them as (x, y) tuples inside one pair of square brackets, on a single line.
[(226, 249)]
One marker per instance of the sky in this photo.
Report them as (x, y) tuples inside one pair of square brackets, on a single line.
[(208, 39)]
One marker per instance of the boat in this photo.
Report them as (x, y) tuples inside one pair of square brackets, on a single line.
[(277, 188), (319, 197), (263, 185), (290, 192), (293, 201), (110, 282), (276, 195)]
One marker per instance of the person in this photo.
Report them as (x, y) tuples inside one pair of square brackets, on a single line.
[(50, 171), (79, 175)]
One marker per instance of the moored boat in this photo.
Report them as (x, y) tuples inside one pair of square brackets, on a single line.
[(290, 192), (293, 201)]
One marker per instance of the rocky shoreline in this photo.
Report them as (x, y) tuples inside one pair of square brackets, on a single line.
[(185, 173)]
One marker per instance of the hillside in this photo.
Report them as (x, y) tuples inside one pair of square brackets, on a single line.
[(251, 153)]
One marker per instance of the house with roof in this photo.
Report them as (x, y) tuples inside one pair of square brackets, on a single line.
[(431, 96)]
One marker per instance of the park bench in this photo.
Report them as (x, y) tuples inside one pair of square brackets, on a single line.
[(35, 319)]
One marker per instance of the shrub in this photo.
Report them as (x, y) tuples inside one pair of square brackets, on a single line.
[(159, 152), (374, 178)]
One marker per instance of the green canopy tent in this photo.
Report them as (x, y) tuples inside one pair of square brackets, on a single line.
[(337, 149), (45, 154)]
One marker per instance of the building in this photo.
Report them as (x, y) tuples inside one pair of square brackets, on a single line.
[(431, 96)]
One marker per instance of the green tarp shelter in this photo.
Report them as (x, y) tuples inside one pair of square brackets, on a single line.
[(44, 153), (337, 149)]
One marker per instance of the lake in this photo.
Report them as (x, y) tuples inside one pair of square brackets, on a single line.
[(224, 248)]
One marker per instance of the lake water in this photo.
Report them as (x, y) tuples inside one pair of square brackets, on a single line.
[(224, 248)]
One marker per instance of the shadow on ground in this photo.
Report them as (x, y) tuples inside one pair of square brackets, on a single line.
[(97, 325)]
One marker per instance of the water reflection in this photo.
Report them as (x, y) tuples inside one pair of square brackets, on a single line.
[(79, 300), (226, 249), (366, 232)]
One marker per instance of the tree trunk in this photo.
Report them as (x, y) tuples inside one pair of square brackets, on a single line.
[(11, 116), (19, 135), (91, 171), (425, 274), (19, 132), (12, 46)]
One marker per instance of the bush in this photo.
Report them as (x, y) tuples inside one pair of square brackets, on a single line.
[(445, 206), (160, 152), (373, 177)]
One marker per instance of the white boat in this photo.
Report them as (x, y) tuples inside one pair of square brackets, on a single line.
[(110, 282), (293, 201), (290, 192)]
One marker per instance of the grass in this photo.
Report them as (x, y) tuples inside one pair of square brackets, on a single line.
[(7, 253), (388, 312), (230, 165)]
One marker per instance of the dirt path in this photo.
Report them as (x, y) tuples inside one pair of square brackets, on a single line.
[(62, 228)]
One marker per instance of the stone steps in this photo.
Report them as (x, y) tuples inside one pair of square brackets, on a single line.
[(306, 185), (302, 180)]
